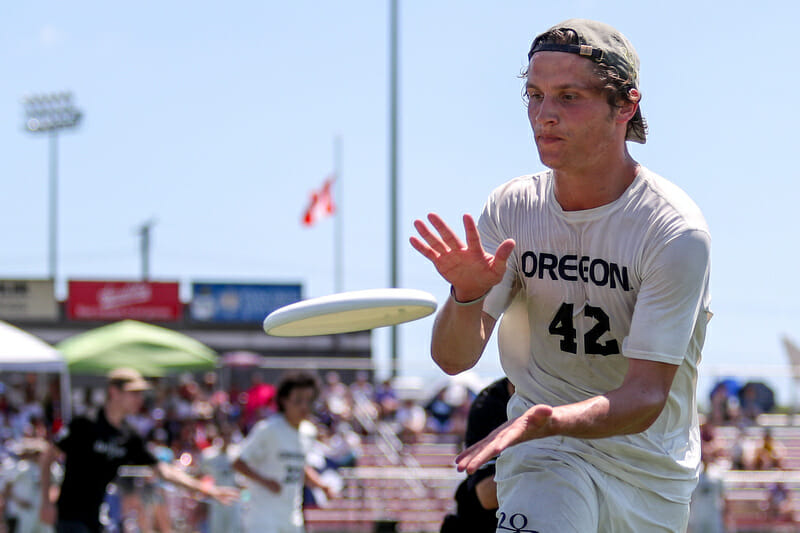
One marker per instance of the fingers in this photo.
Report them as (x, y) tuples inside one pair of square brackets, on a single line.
[(450, 238), (434, 242), (531, 425), (471, 232)]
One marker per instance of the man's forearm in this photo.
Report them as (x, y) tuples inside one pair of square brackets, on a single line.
[(459, 336)]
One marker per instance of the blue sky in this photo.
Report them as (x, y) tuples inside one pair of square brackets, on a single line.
[(219, 121)]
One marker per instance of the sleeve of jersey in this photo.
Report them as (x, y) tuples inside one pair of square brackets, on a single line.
[(70, 437), (492, 234), (255, 447), (673, 293), (138, 454)]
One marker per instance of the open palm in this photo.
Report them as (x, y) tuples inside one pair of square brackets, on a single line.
[(468, 267)]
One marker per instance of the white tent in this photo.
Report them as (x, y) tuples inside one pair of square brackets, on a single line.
[(22, 352)]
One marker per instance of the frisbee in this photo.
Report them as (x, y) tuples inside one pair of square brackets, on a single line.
[(345, 312)]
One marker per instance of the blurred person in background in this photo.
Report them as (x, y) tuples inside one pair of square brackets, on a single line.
[(386, 400), (273, 460), (770, 454), (217, 462), (410, 421), (95, 448), (708, 506), (476, 496)]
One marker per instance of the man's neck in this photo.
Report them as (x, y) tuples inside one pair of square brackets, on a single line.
[(580, 189), (114, 416)]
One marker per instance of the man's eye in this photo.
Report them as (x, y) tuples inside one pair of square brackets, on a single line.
[(569, 97)]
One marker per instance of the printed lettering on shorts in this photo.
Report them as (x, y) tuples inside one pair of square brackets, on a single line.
[(517, 522)]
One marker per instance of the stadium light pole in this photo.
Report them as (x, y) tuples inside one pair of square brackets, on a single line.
[(49, 114)]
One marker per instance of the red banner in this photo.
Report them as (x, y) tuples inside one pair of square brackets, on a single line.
[(118, 300)]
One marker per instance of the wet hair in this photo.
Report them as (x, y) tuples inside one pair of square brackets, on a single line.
[(616, 87), (295, 380)]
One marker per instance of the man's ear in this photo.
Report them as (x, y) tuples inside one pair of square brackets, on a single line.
[(627, 108)]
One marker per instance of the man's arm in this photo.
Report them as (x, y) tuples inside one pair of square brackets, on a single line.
[(461, 331), (173, 474), (460, 334), (313, 478), (486, 491), (47, 512), (243, 468), (631, 408)]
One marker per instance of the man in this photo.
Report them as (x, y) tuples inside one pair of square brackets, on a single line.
[(600, 268), (476, 496), (273, 460), (217, 461), (94, 449)]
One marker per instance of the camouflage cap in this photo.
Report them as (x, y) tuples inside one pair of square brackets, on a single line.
[(599, 42)]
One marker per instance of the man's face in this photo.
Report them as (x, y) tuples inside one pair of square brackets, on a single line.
[(573, 124), (130, 401), (297, 405)]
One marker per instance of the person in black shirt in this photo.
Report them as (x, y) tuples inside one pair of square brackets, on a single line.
[(476, 496), (95, 448)]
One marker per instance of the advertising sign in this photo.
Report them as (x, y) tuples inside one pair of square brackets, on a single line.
[(118, 300), (239, 303), (28, 299)]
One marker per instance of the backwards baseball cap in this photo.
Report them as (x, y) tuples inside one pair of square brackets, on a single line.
[(127, 379), (600, 43)]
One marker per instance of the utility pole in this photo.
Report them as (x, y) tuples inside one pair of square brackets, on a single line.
[(144, 233)]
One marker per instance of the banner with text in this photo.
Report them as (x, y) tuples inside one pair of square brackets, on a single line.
[(28, 299), (117, 300), (239, 303)]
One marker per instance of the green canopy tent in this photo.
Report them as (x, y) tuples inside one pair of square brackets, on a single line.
[(152, 350)]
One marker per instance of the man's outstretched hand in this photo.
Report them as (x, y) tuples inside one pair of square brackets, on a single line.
[(467, 267), (533, 424)]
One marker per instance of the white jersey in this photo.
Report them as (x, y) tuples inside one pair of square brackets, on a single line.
[(276, 450), (591, 289)]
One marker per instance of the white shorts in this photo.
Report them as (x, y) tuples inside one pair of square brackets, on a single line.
[(547, 491)]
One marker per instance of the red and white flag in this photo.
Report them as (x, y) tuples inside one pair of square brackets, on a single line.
[(321, 204)]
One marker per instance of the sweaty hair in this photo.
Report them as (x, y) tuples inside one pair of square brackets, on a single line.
[(612, 83), (295, 380)]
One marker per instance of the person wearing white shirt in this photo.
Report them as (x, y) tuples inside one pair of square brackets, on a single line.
[(273, 460)]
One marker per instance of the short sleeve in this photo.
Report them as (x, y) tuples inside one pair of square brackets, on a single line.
[(255, 448), (138, 454), (674, 296), (492, 235), (69, 437)]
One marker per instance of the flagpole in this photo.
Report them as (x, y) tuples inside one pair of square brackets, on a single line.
[(393, 165), (338, 252)]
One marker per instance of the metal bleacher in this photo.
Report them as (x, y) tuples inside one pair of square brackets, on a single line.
[(747, 490), (409, 493)]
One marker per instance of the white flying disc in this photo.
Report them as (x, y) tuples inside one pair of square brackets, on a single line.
[(349, 311)]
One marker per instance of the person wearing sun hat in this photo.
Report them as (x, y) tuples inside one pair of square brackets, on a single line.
[(599, 269), (94, 449)]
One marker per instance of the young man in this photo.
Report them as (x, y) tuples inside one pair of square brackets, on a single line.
[(273, 460), (600, 269), (94, 449)]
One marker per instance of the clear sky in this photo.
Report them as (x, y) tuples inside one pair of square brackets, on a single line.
[(218, 120)]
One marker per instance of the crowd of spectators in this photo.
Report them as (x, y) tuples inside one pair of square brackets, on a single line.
[(734, 437), (195, 422)]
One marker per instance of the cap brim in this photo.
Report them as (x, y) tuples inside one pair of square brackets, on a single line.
[(136, 386)]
